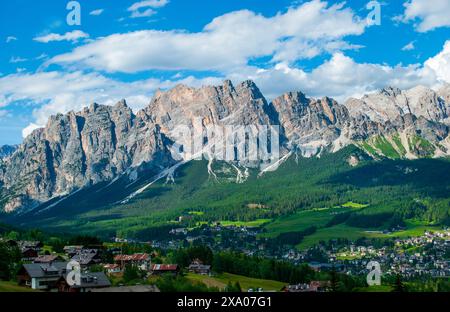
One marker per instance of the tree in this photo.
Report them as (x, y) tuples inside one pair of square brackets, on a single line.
[(181, 257), (13, 235), (233, 287), (229, 287), (238, 287), (203, 253), (334, 280), (131, 273), (86, 240), (57, 244), (9, 261), (398, 285)]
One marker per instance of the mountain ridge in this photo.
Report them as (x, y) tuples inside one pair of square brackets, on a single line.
[(101, 143)]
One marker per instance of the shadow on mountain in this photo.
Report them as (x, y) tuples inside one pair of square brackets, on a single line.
[(99, 196), (429, 177)]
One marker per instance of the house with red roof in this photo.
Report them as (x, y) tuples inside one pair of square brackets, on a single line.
[(159, 269), (141, 260)]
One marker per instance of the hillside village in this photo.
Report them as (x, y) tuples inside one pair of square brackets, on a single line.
[(424, 255), (50, 272), (103, 268), (108, 267)]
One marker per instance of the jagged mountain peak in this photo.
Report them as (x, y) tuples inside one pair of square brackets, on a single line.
[(80, 149), (390, 103), (390, 91), (241, 104), (309, 124), (122, 104), (296, 96)]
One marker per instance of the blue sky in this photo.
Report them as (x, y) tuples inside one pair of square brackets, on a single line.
[(128, 49)]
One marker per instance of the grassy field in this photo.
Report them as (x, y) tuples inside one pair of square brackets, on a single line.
[(381, 288), (354, 205), (255, 223), (334, 232), (319, 217), (221, 281), (413, 229), (301, 221), (13, 287), (196, 213)]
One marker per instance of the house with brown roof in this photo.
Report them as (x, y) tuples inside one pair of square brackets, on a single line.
[(112, 268), (72, 250), (48, 259), (141, 260), (313, 286), (29, 254), (87, 257), (159, 269), (197, 267)]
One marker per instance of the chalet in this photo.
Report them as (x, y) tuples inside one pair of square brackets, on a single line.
[(72, 250), (41, 276), (304, 287), (48, 259), (112, 268), (178, 231), (141, 260), (319, 286), (198, 267), (158, 269), (9, 242), (29, 254), (87, 257), (89, 281), (31, 245), (313, 286)]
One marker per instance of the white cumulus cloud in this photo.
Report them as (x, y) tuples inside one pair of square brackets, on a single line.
[(97, 12), (72, 36), (10, 39), (440, 64), (146, 8), (428, 14), (229, 41), (409, 47), (340, 77)]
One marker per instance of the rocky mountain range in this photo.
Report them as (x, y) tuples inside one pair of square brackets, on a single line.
[(101, 143)]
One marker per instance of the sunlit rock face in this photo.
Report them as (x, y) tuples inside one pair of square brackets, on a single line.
[(101, 143)]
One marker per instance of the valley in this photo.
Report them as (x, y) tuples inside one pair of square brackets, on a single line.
[(376, 199)]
